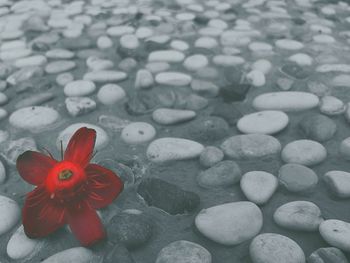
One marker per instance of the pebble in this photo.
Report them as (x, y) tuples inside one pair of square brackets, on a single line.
[(275, 248), (167, 197), (344, 148), (3, 98), (20, 246), (59, 54), (118, 253), (156, 67), (301, 59), (2, 172), (79, 88), (195, 62), (59, 66), (102, 76), (286, 101), (95, 63), (206, 42), (117, 31), (263, 122), (144, 79), (33, 118), (131, 230), (173, 78), (73, 255), (250, 146), (289, 44), (262, 65), (331, 106), (37, 60), (35, 100), (110, 94), (127, 64), (65, 135), (129, 41), (170, 56), (184, 251), (10, 214), (210, 156), (205, 88), (318, 127), (104, 42), (138, 132), (11, 149), (77, 106), (304, 152), (336, 233), (338, 182), (222, 174), (64, 78), (256, 78), (227, 60), (258, 186), (298, 216), (172, 149), (327, 255), (172, 116), (230, 223)]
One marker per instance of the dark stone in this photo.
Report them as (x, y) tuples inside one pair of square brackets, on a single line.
[(234, 92), (298, 21), (168, 197), (201, 20), (119, 254), (295, 71), (77, 43), (327, 255), (318, 127), (151, 45), (40, 47), (228, 112), (206, 130)]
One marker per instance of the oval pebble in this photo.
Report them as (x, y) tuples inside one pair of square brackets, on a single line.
[(171, 149), (9, 214), (79, 88), (263, 122), (336, 233), (59, 66), (173, 78), (138, 132), (195, 62), (110, 94), (170, 56), (73, 255), (338, 182), (172, 116), (327, 255), (331, 106), (289, 44), (105, 76)]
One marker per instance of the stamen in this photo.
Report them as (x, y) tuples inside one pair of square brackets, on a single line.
[(65, 174)]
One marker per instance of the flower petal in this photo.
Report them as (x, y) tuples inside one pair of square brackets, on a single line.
[(105, 185), (40, 215), (34, 166), (80, 147), (85, 223)]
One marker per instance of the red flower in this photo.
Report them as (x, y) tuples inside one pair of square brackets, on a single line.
[(68, 191)]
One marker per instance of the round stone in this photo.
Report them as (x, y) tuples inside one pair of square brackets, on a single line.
[(264, 122), (298, 216), (256, 78), (104, 42), (129, 41), (206, 42), (258, 186), (3, 114), (289, 44), (79, 88), (260, 47), (33, 118), (297, 178), (73, 255), (331, 106), (138, 132), (59, 54), (3, 98), (65, 135), (286, 101), (338, 182), (327, 255), (102, 76), (195, 62), (173, 78), (304, 152), (59, 66), (110, 94), (301, 59), (275, 248), (344, 148), (2, 172), (9, 214), (318, 127), (172, 116), (183, 251), (231, 223), (336, 233), (262, 65), (210, 156)]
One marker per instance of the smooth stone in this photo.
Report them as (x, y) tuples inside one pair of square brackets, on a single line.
[(338, 182), (131, 230), (77, 106), (260, 47), (179, 45), (170, 56), (105, 76), (73, 255), (59, 66), (318, 88), (298, 216), (344, 148), (172, 116), (301, 59), (37, 60), (331, 106), (172, 149), (79, 88), (250, 146), (2, 172), (10, 214), (342, 80), (20, 246), (193, 102), (127, 64), (183, 251), (304, 152), (59, 54), (195, 62), (11, 149), (156, 67), (286, 101), (23, 75), (222, 174), (110, 94), (64, 78), (263, 122), (210, 156), (33, 118), (230, 223), (256, 78), (295, 71), (138, 132), (206, 42), (3, 114), (95, 63), (129, 41), (173, 78), (144, 79), (327, 255), (258, 186), (167, 197), (12, 54), (65, 135), (336, 233), (35, 100), (117, 31), (262, 65), (227, 60), (318, 127), (104, 42), (3, 98), (289, 44), (205, 88), (325, 68), (275, 248), (119, 253)]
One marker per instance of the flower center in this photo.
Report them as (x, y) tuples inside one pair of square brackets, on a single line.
[(65, 175)]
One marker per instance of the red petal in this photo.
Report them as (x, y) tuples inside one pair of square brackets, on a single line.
[(105, 185), (80, 147), (40, 215), (85, 224), (34, 166)]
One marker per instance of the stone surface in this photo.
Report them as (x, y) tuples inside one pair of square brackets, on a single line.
[(336, 233), (318, 127), (138, 132), (210, 156), (10, 214), (327, 255), (338, 182), (172, 116), (77, 106), (72, 255)]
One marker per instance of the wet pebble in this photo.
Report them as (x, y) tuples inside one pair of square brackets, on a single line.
[(338, 182), (336, 233), (195, 62), (110, 94), (172, 116), (327, 255), (9, 214), (318, 127), (72, 255), (11, 149), (205, 88), (59, 66), (103, 76), (138, 132), (331, 106), (79, 88), (173, 78), (210, 156), (77, 106), (35, 100), (144, 79)]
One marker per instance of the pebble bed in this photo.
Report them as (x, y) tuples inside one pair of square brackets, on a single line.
[(228, 122)]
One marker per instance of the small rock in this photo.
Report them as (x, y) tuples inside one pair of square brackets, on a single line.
[(344, 148), (110, 94), (327, 255), (64, 78), (289, 44), (284, 83), (173, 78), (35, 100), (258, 186), (11, 149), (9, 214), (73, 255), (195, 62), (318, 127), (256, 78), (331, 106), (138, 132), (338, 182), (168, 197), (119, 253), (172, 116), (103, 76), (336, 233), (77, 106), (210, 156), (170, 56), (144, 79), (59, 66), (205, 88), (79, 88)]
